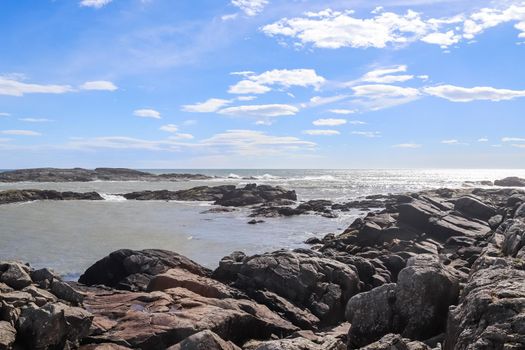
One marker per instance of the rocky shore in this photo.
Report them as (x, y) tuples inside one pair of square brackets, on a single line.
[(439, 269), (87, 175)]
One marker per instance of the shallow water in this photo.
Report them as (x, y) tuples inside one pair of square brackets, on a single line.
[(70, 236)]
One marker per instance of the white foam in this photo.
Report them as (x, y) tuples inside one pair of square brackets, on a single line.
[(112, 197), (234, 176)]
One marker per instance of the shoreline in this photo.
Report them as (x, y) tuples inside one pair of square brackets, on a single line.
[(380, 281)]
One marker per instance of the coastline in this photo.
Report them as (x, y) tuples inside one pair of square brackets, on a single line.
[(412, 275)]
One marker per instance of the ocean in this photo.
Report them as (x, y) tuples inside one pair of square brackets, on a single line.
[(69, 236)]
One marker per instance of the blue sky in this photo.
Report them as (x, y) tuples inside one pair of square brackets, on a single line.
[(262, 83)]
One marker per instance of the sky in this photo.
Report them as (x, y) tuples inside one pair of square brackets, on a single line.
[(262, 84)]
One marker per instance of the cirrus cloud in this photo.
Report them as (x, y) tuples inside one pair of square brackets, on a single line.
[(147, 113)]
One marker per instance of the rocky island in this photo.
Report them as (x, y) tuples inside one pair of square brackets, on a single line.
[(87, 175), (438, 269)]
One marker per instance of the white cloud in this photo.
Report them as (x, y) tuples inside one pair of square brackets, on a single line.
[(329, 122), (101, 85), (319, 132), (356, 122), (369, 134), (407, 145), (450, 142), (384, 75), (317, 101), (461, 94), (35, 120), (11, 86), (248, 87), (342, 111), (513, 139), (382, 96), (209, 106), (483, 139), (20, 132), (147, 113), (335, 29), (229, 17), (169, 128), (250, 7), (94, 3), (270, 110), (519, 145), (3, 114), (179, 136), (246, 98), (442, 39), (259, 84)]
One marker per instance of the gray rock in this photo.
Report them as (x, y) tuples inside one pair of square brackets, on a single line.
[(7, 335), (204, 340), (510, 182), (395, 342), (474, 207), (15, 275), (66, 292)]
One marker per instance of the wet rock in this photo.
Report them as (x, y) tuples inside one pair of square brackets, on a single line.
[(254, 222), (303, 277), (14, 196), (204, 340), (510, 182), (132, 270), (253, 194)]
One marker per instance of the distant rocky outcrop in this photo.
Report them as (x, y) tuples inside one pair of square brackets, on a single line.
[(86, 175), (510, 182), (14, 196)]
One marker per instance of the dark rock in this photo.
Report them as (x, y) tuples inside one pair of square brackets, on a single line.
[(14, 196), (15, 275), (132, 270), (473, 207), (510, 182), (396, 342), (66, 292), (253, 194), (254, 222), (51, 326), (303, 277)]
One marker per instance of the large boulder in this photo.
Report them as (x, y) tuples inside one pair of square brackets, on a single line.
[(253, 194), (396, 342), (204, 340), (371, 315), (491, 313), (303, 277), (425, 290), (15, 275), (53, 326), (132, 270), (473, 207), (510, 182), (416, 307)]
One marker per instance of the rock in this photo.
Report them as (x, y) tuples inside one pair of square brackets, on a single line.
[(14, 196), (204, 340), (510, 182), (426, 216), (65, 292), (15, 275), (201, 285), (253, 194), (7, 335), (301, 344), (473, 207), (86, 175), (132, 270), (372, 315), (103, 346), (395, 342), (495, 221), (158, 320), (52, 325), (491, 313), (254, 222), (201, 193), (425, 289), (303, 277)]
